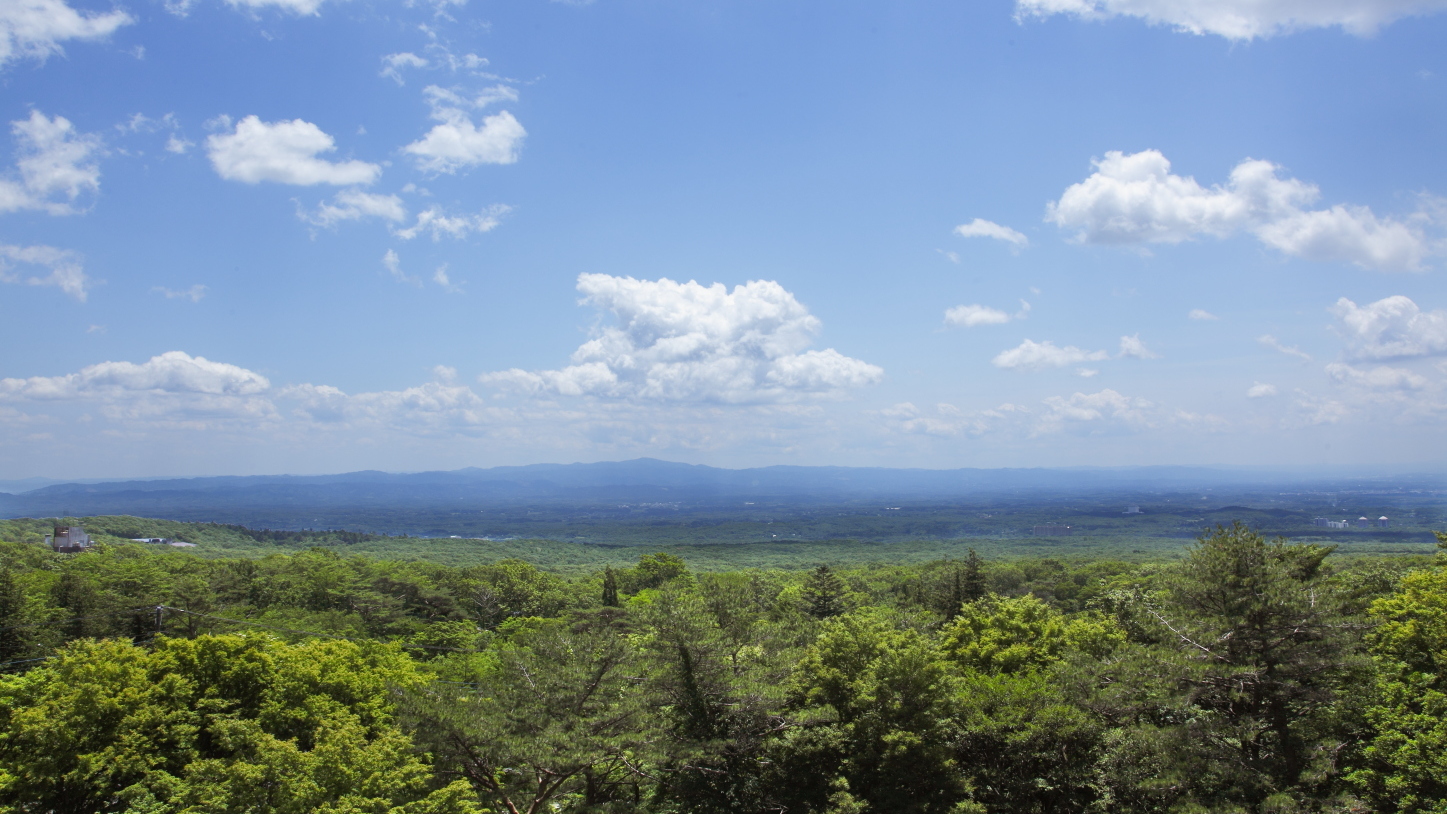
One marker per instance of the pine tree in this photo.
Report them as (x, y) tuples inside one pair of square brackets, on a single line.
[(964, 585), (972, 581), (823, 594), (610, 588), (12, 611)]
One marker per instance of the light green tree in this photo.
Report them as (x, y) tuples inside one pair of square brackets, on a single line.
[(1406, 762), (1010, 635), (215, 724)]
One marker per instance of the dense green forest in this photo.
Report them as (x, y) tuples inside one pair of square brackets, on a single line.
[(703, 551), (1245, 675)]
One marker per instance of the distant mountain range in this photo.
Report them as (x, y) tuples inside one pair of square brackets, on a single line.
[(637, 481)]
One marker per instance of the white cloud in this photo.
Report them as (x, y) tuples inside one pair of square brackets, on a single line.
[(284, 152), (1348, 234), (55, 165), (1377, 378), (457, 143), (1087, 372), (1242, 19), (394, 64), (36, 28), (171, 372), (354, 204), (1269, 341), (1389, 328), (979, 227), (1202, 314), (1132, 199), (302, 8), (947, 420), (1260, 390), (1032, 355), (440, 225), (172, 389), (1093, 412), (687, 342), (64, 266), (178, 144), (970, 316), (432, 408), (1131, 347), (440, 277), (195, 293), (1313, 410), (393, 263), (141, 123)]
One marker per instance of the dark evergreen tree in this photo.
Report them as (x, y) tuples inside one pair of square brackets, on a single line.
[(953, 595), (610, 588), (972, 579), (1263, 649), (823, 594), (13, 641)]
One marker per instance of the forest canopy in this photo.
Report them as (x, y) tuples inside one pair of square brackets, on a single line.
[(1252, 675)]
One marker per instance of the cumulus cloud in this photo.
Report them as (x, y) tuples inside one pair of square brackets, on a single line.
[(979, 227), (283, 152), (36, 28), (1261, 391), (1269, 341), (171, 372), (1391, 328), (1131, 347), (1202, 314), (54, 166), (1031, 355), (689, 342), (970, 316), (1242, 19), (65, 271), (1134, 199), (457, 143)]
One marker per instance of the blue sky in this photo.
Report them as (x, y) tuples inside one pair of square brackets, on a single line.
[(311, 236)]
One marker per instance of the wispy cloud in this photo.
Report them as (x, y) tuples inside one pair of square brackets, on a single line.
[(1269, 341)]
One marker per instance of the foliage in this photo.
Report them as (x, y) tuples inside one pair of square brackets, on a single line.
[(1245, 677), (231, 723), (1406, 763), (1018, 634)]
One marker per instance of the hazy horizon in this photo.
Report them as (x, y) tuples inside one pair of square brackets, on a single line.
[(1271, 474)]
